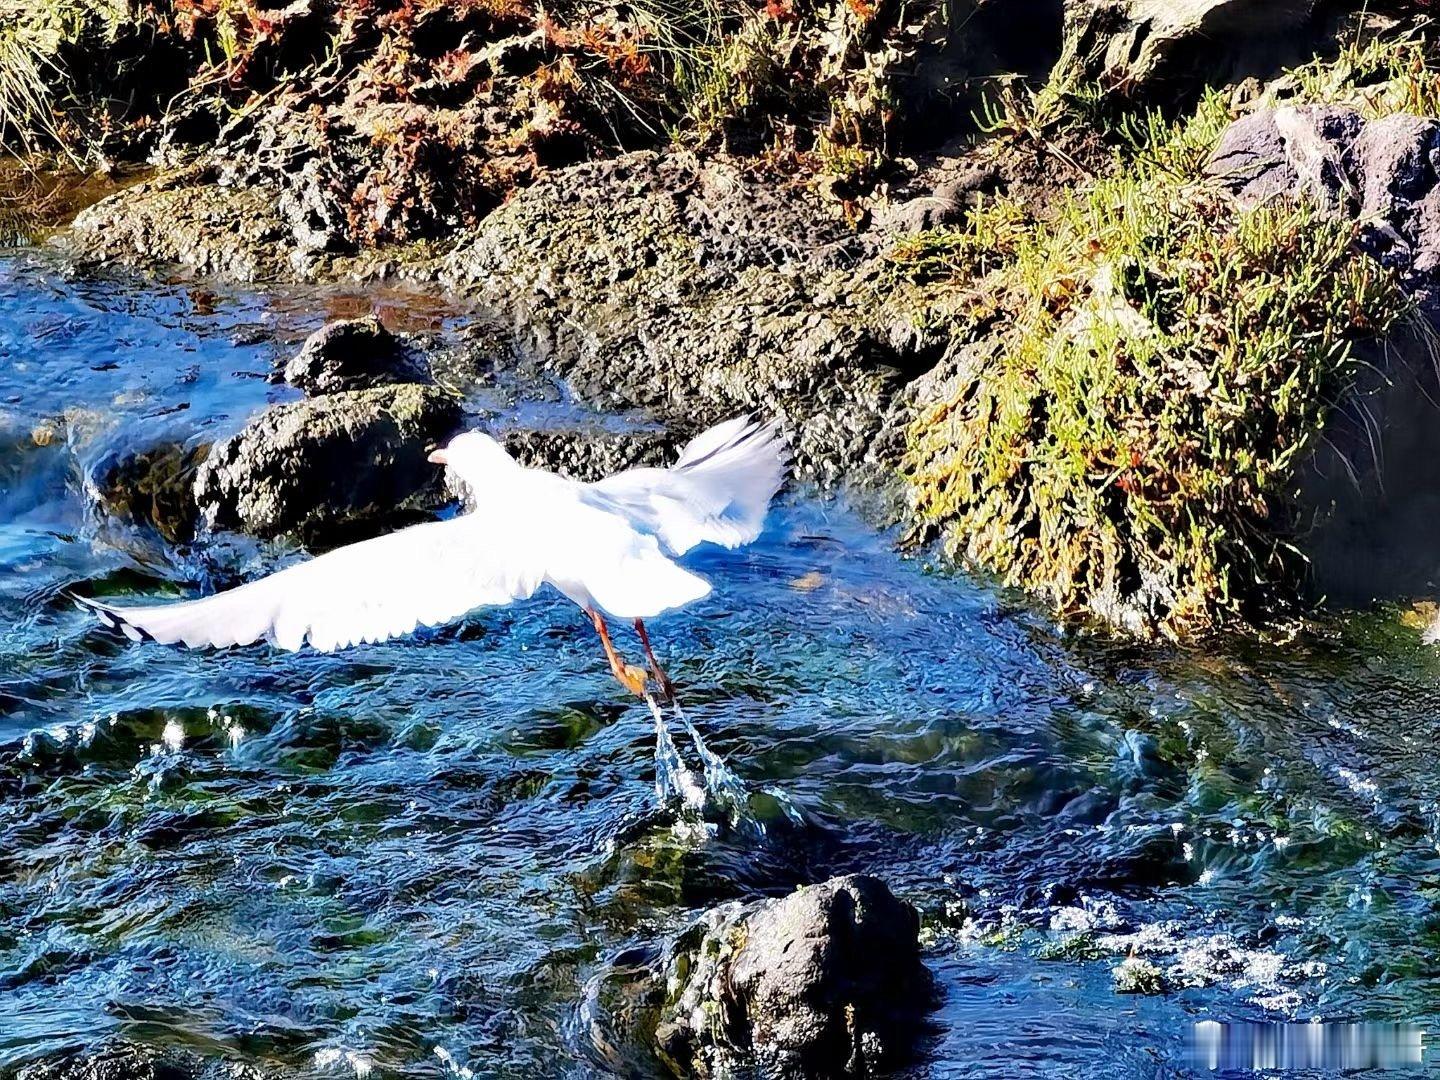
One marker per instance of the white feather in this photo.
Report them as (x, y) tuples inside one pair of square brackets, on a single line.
[(717, 491)]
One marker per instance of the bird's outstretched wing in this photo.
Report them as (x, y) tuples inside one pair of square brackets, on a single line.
[(717, 492), (426, 575)]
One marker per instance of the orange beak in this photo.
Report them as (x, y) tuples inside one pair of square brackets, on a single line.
[(437, 457)]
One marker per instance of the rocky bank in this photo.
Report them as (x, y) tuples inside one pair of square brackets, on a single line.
[(692, 281)]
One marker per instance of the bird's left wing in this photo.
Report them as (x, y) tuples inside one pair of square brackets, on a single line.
[(425, 575), (716, 492)]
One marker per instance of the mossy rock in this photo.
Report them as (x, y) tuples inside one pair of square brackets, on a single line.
[(331, 469), (1140, 379), (152, 487)]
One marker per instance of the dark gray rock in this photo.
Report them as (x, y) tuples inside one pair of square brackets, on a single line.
[(1380, 172), (947, 204), (152, 488), (237, 230), (185, 219), (827, 981), (1424, 238), (1319, 145), (1288, 152), (694, 292), (1132, 48), (132, 1061), (1250, 159), (306, 202), (589, 455), (1393, 157), (331, 468), (1368, 496), (353, 354)]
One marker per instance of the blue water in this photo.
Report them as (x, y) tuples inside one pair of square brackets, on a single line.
[(413, 859)]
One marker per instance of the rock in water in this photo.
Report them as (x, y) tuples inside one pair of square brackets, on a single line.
[(152, 487), (184, 218), (824, 982), (353, 354), (330, 468), (124, 1061)]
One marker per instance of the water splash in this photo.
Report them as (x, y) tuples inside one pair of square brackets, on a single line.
[(722, 793), (720, 782), (673, 778)]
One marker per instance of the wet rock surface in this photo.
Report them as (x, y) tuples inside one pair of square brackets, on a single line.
[(353, 354), (152, 488), (330, 468), (589, 455), (824, 982), (128, 1061), (687, 290), (187, 220)]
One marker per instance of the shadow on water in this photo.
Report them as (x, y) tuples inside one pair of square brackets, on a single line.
[(413, 858)]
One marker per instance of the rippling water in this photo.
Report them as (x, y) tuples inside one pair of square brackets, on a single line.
[(411, 859)]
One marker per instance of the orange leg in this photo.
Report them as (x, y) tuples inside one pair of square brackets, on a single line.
[(666, 686), (628, 675)]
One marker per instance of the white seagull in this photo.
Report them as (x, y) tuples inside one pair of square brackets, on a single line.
[(608, 546)]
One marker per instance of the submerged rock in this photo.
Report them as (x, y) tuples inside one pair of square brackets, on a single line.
[(827, 981), (1135, 975), (332, 467), (153, 487), (353, 354)]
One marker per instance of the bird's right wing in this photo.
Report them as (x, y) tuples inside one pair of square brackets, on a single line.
[(428, 575)]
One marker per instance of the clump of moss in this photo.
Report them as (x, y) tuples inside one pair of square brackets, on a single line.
[(1151, 363), (1136, 976), (1072, 948)]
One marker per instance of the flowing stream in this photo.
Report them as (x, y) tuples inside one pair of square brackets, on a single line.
[(409, 859)]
